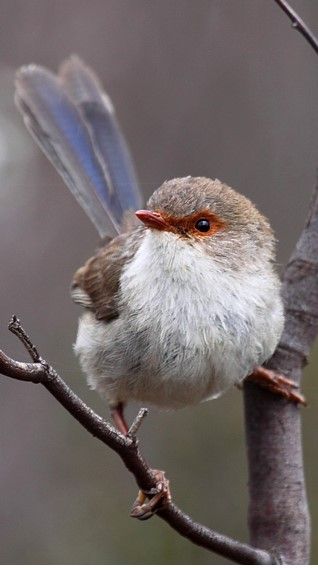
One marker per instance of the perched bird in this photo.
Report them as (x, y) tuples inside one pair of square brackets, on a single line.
[(182, 301)]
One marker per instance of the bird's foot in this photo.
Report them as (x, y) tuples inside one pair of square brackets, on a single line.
[(277, 384), (157, 497)]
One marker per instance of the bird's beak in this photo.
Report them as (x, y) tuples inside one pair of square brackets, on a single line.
[(152, 219)]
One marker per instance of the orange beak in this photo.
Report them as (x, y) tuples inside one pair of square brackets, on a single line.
[(152, 219)]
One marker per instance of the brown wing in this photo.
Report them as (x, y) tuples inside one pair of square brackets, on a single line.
[(96, 284)]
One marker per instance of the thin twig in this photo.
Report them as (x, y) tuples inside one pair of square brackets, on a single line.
[(298, 23), (143, 412), (128, 449), (16, 328)]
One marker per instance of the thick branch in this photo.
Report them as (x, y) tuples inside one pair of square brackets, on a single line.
[(127, 448), (278, 512)]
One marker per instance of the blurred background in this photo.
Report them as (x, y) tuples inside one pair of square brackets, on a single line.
[(218, 88)]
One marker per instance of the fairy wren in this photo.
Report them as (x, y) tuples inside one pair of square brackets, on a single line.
[(182, 300)]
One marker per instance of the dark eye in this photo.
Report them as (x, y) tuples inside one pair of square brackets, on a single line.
[(202, 225)]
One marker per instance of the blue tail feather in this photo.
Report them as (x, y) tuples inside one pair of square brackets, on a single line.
[(81, 137), (99, 114)]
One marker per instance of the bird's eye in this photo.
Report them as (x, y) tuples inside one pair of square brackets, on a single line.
[(202, 225)]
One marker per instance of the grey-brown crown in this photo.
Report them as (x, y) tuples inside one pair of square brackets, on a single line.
[(185, 196)]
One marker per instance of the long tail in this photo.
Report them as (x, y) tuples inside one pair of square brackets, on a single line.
[(74, 123)]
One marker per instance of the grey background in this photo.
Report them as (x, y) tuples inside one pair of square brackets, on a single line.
[(221, 88)]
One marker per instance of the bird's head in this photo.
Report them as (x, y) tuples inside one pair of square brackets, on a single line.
[(210, 215)]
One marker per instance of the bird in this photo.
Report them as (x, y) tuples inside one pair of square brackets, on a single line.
[(182, 300)]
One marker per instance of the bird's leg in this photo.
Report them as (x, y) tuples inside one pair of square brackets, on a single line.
[(277, 384), (158, 497), (117, 414)]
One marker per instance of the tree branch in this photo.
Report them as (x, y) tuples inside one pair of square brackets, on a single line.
[(278, 510), (298, 23), (128, 449)]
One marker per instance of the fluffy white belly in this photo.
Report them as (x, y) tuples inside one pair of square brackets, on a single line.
[(188, 329)]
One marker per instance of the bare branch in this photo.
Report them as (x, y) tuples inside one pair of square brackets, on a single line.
[(128, 449), (276, 478), (143, 412), (273, 427), (298, 23), (21, 371), (16, 328)]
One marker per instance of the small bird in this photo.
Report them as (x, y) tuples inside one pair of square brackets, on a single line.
[(182, 301)]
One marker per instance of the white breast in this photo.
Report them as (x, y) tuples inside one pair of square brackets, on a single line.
[(203, 326)]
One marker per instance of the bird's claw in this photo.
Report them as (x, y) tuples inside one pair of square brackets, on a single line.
[(157, 497), (277, 384)]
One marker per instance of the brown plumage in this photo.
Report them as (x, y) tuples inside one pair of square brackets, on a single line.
[(95, 285)]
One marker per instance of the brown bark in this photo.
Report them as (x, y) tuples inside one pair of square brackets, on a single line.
[(278, 513), (278, 510)]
